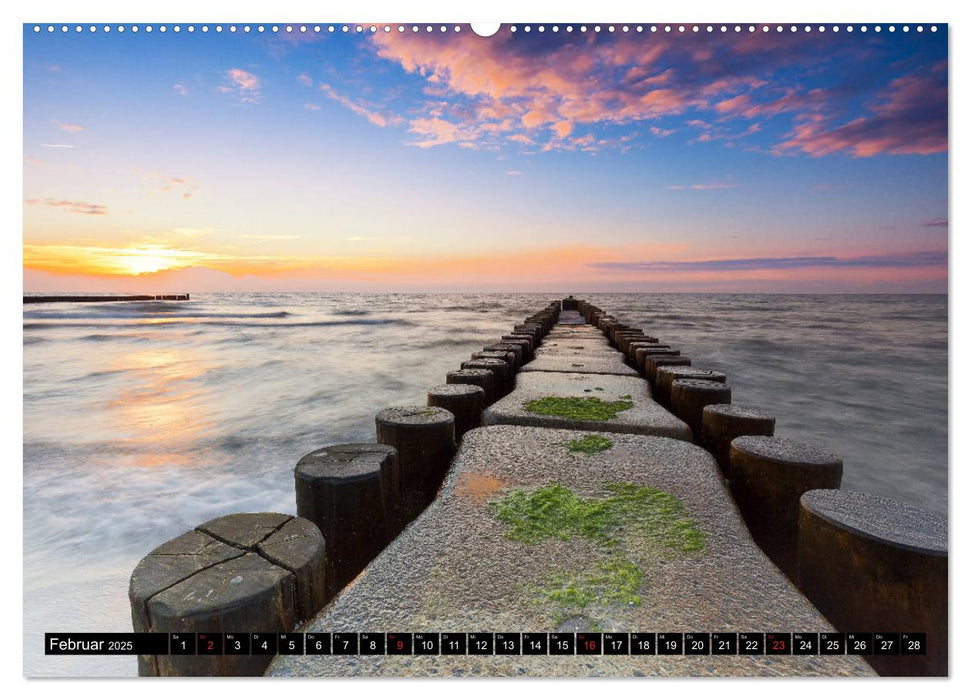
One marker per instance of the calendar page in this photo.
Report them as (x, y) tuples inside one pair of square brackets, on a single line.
[(516, 350)]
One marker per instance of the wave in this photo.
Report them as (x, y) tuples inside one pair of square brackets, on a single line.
[(229, 324), (58, 316), (351, 312), (457, 342)]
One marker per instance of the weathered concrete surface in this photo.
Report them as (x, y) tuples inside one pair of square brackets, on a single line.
[(586, 333), (586, 364), (455, 569), (575, 346), (575, 330), (645, 417)]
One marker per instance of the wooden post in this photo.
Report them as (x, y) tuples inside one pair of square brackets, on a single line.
[(769, 474), (464, 401), (723, 422), (351, 492), (242, 573), (425, 439), (874, 564)]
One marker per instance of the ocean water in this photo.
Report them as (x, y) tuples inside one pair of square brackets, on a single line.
[(142, 420)]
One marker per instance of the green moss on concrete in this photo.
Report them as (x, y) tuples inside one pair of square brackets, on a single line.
[(578, 407), (613, 581), (649, 513), (553, 512), (590, 444), (630, 511), (630, 523)]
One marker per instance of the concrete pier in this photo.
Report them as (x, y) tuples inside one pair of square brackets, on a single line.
[(579, 424), (582, 506), (463, 567), (588, 394)]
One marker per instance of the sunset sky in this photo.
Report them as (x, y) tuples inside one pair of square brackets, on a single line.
[(567, 161)]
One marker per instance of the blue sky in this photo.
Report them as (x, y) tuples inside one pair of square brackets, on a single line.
[(448, 161)]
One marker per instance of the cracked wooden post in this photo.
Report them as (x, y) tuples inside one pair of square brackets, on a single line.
[(769, 474), (425, 439), (872, 563), (351, 492), (246, 572)]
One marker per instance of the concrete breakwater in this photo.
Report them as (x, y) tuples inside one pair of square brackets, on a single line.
[(45, 299), (580, 505)]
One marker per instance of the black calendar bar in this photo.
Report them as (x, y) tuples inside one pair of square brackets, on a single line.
[(97, 644), (691, 644)]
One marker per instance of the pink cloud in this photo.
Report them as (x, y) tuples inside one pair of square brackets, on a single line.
[(908, 118), (708, 186), (509, 88), (243, 84), (554, 92), (305, 79), (66, 205), (185, 186), (69, 127), (371, 114)]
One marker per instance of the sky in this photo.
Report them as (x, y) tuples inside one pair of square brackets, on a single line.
[(548, 161)]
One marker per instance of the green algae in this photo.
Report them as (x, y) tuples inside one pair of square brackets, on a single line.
[(589, 444), (630, 512), (613, 581), (553, 512), (578, 407), (651, 514), (631, 524)]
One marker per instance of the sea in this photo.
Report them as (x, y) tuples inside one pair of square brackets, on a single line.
[(145, 419)]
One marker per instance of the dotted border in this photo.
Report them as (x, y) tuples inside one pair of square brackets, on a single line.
[(442, 28)]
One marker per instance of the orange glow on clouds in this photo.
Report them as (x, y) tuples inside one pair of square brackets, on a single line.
[(576, 264), (144, 260)]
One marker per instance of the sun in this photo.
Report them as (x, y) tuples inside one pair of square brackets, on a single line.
[(140, 261)]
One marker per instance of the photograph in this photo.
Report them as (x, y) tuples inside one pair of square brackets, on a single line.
[(449, 350)]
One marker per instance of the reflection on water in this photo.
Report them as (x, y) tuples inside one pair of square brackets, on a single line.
[(143, 420), (159, 411)]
